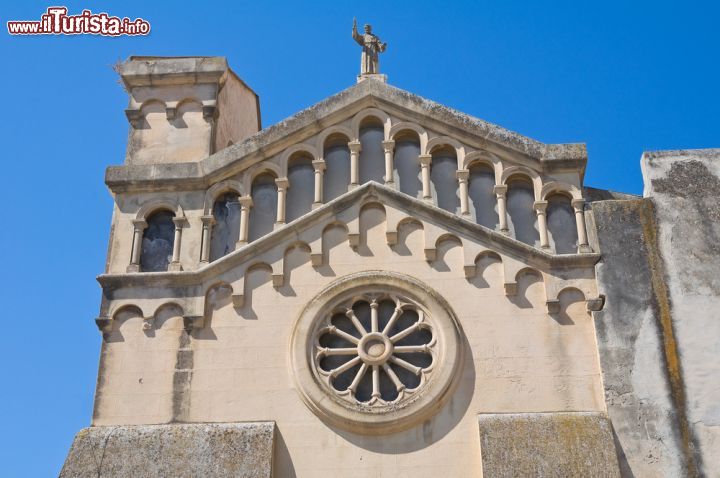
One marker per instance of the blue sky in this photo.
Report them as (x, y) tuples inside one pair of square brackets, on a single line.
[(623, 77)]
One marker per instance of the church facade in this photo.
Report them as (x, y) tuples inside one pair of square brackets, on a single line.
[(383, 286)]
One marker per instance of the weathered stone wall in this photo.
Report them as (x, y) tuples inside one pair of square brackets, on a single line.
[(237, 450), (547, 445), (658, 332)]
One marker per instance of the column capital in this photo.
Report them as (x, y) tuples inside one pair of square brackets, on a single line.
[(462, 174), (425, 159), (388, 145), (355, 146), (140, 224), (500, 189), (282, 183), (245, 201), (319, 164), (540, 206), (180, 221), (208, 220), (578, 203)]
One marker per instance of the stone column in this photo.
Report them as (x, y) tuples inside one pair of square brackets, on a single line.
[(175, 263), (207, 223), (319, 165), (425, 160), (389, 147), (500, 191), (139, 226), (579, 206), (462, 177), (282, 186), (540, 210), (355, 148), (246, 203)]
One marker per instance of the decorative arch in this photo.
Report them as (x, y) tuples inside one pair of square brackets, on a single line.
[(374, 112), (532, 175), (257, 170), (559, 187), (439, 141), (529, 271), (149, 102), (155, 205), (217, 189), (126, 307), (297, 148), (405, 126), (327, 132), (486, 159)]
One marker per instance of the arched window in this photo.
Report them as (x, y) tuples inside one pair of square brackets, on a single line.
[(483, 205), (444, 184), (372, 156), (337, 162), (301, 186), (226, 231), (562, 229), (522, 220), (157, 243), (264, 210), (407, 164)]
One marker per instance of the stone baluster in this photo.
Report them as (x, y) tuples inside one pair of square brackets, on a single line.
[(246, 203), (541, 212), (282, 187), (319, 165), (139, 226), (208, 222), (462, 176), (355, 148), (389, 147), (175, 264), (500, 191), (579, 206), (425, 160)]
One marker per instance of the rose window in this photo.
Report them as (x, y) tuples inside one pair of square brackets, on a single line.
[(375, 349), (376, 352)]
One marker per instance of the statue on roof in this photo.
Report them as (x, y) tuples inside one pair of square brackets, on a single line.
[(371, 48)]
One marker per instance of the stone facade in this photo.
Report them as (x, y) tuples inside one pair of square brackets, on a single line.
[(399, 289)]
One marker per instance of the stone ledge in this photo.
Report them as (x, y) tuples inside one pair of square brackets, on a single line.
[(547, 444), (210, 450)]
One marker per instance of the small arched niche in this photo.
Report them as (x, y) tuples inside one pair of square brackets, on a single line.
[(522, 220), (301, 185), (483, 205), (443, 181), (158, 241), (264, 210), (226, 231), (406, 163), (562, 228), (337, 166), (372, 156)]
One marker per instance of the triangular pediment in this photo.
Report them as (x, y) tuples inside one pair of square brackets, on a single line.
[(407, 107)]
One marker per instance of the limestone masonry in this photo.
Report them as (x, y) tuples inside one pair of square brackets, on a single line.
[(381, 286)]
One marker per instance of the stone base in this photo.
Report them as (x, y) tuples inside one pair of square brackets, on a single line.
[(208, 450), (547, 445), (372, 76)]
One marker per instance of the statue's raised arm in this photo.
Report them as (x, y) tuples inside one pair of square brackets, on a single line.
[(356, 36)]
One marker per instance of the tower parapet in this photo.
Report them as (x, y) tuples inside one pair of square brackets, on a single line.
[(184, 109)]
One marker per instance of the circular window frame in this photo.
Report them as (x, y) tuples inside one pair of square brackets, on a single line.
[(392, 417)]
